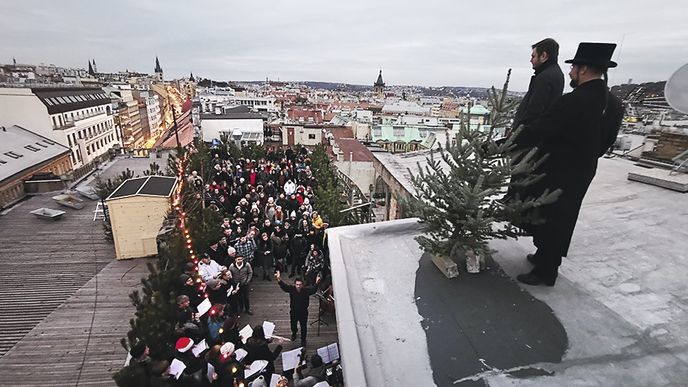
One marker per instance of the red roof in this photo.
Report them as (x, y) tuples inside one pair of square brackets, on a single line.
[(341, 132), (186, 133), (352, 147)]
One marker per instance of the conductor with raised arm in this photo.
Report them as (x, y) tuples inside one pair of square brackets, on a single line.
[(299, 299)]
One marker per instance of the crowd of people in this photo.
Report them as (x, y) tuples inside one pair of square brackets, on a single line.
[(269, 227)]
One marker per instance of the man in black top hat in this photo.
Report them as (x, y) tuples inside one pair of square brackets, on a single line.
[(578, 129)]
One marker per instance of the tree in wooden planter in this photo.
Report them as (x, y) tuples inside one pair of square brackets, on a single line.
[(457, 191)]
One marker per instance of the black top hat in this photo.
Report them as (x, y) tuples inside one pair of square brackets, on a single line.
[(594, 54)]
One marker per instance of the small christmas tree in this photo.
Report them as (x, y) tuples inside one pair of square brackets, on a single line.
[(456, 193)]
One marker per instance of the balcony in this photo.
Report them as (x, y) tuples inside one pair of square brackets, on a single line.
[(65, 125)]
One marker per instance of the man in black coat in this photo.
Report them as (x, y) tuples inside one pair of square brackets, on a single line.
[(299, 299), (574, 132), (546, 85)]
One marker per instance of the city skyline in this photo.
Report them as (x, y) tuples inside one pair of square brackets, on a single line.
[(435, 43)]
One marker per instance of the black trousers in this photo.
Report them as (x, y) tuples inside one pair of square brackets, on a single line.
[(547, 260), (299, 318), (242, 298)]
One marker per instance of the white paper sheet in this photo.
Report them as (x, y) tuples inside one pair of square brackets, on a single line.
[(176, 368), (204, 307), (200, 347), (290, 359), (274, 379), (127, 360), (321, 384), (245, 333), (329, 353), (240, 354), (268, 329), (211, 371), (255, 367)]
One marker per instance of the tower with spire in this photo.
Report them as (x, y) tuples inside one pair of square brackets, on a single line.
[(158, 69), (91, 72), (95, 68), (191, 78), (379, 85)]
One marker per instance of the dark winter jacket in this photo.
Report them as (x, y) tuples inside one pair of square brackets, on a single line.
[(545, 87)]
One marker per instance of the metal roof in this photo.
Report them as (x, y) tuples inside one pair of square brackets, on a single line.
[(64, 99), (145, 186), (21, 149)]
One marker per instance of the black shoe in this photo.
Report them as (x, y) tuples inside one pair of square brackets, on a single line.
[(293, 336), (531, 258), (534, 279)]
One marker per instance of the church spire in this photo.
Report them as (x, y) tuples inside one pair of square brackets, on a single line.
[(90, 69), (158, 69), (379, 85), (191, 78), (379, 81)]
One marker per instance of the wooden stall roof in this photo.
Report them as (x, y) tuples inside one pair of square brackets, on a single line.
[(149, 186)]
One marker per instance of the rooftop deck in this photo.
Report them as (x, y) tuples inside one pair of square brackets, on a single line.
[(50, 301)]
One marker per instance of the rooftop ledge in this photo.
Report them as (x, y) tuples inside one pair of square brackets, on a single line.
[(617, 315)]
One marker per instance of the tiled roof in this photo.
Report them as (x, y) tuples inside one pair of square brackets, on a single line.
[(354, 150)]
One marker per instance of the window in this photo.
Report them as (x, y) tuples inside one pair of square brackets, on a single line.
[(398, 131), (3, 161), (13, 155), (423, 133), (377, 131), (31, 148), (311, 136), (41, 145)]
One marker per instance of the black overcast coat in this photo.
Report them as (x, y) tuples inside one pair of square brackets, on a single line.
[(545, 87), (574, 133)]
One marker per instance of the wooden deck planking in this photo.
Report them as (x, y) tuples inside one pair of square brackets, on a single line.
[(57, 344), (44, 263)]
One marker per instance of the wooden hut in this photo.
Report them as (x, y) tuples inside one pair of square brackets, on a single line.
[(137, 209)]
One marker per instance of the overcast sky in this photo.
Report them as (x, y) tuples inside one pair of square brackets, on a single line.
[(419, 42)]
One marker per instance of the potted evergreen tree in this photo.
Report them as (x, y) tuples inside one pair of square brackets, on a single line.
[(457, 192)]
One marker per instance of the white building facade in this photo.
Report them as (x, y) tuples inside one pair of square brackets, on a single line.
[(79, 118)]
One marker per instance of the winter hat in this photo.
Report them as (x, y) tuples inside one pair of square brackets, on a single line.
[(184, 344), (293, 214), (137, 350), (227, 349), (183, 278)]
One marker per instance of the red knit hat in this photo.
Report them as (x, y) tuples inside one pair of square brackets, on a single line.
[(184, 344)]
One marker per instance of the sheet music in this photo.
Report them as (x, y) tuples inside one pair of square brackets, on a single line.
[(240, 354), (211, 371), (290, 359), (204, 307), (176, 368), (255, 367), (268, 329), (200, 347), (245, 333), (329, 353)]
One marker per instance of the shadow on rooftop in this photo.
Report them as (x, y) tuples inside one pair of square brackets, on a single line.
[(484, 322)]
